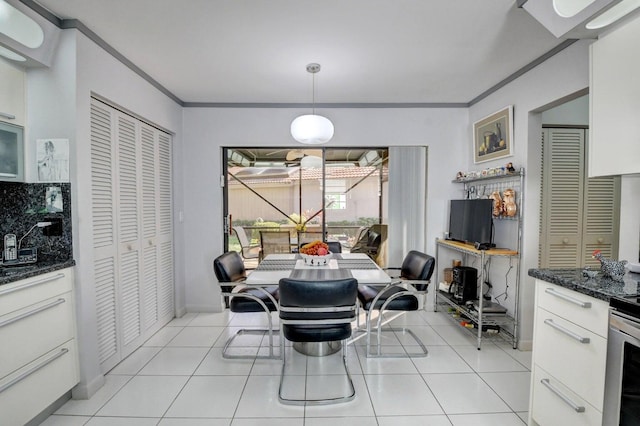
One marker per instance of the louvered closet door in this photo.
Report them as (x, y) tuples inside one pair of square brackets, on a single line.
[(602, 217), (131, 206), (104, 238), (166, 308), (579, 215), (561, 215), (149, 170)]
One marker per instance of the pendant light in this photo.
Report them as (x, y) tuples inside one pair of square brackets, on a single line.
[(312, 129)]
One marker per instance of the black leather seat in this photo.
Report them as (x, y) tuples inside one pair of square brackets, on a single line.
[(230, 272), (320, 311), (401, 295)]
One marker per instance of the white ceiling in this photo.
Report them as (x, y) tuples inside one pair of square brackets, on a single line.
[(371, 51)]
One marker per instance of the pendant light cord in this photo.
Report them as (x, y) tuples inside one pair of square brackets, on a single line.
[(313, 93)]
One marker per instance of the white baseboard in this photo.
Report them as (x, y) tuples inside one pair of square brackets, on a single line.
[(87, 390), (204, 308), (525, 345)]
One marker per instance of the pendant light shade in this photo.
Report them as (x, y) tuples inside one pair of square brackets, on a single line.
[(312, 129)]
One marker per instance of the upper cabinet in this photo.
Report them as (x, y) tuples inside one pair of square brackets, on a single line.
[(12, 94), (614, 113)]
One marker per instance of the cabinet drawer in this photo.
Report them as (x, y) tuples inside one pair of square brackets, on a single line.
[(28, 391), (26, 292), (554, 404), (585, 311), (32, 331), (580, 366)]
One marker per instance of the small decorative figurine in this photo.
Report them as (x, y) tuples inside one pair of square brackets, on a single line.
[(509, 202), (613, 269), (497, 203), (589, 273), (510, 168)]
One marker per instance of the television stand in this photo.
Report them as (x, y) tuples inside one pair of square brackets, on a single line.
[(475, 318)]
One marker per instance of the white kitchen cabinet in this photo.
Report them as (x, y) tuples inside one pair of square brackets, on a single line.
[(38, 357), (12, 88), (569, 357), (614, 104)]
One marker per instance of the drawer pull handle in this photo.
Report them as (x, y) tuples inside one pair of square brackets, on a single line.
[(7, 116), (32, 312), (33, 369), (559, 394), (33, 283), (568, 332), (570, 299)]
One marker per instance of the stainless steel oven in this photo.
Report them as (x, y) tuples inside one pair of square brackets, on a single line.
[(622, 383)]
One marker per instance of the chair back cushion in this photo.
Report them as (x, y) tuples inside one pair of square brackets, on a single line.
[(229, 267), (334, 246), (317, 294), (417, 266)]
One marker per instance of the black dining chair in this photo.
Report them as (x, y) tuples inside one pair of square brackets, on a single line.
[(230, 272), (317, 311), (334, 246), (400, 295)]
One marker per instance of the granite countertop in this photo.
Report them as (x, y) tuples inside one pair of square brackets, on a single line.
[(16, 273), (598, 287)]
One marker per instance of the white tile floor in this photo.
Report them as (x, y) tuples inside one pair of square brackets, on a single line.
[(179, 378)]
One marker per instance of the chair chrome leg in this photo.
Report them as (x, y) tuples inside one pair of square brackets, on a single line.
[(379, 330), (323, 401), (258, 331)]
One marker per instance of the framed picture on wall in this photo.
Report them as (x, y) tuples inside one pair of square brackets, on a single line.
[(493, 136), (53, 160)]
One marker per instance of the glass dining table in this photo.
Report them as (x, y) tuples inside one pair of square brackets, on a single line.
[(341, 265)]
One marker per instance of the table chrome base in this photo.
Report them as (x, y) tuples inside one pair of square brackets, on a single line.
[(317, 348)]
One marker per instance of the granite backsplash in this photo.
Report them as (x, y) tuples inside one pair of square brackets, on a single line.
[(22, 205)]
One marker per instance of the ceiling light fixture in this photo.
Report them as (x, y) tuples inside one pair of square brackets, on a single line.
[(312, 129), (616, 12)]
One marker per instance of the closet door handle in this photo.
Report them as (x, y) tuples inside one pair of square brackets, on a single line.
[(32, 312), (566, 331), (7, 116), (33, 369), (577, 408), (569, 299)]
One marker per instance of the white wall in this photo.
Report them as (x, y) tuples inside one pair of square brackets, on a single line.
[(575, 112), (560, 76), (59, 107), (206, 130)]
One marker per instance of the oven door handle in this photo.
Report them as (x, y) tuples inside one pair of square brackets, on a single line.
[(566, 331), (577, 408), (625, 323)]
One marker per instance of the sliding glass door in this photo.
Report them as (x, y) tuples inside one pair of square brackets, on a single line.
[(334, 192)]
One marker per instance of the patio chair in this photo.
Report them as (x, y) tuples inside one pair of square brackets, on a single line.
[(249, 251), (230, 272), (368, 243), (400, 295), (319, 312), (274, 242)]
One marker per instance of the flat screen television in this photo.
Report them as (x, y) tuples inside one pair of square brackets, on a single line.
[(471, 221)]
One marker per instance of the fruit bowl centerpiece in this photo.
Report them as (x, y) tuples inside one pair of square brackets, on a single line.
[(315, 253)]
